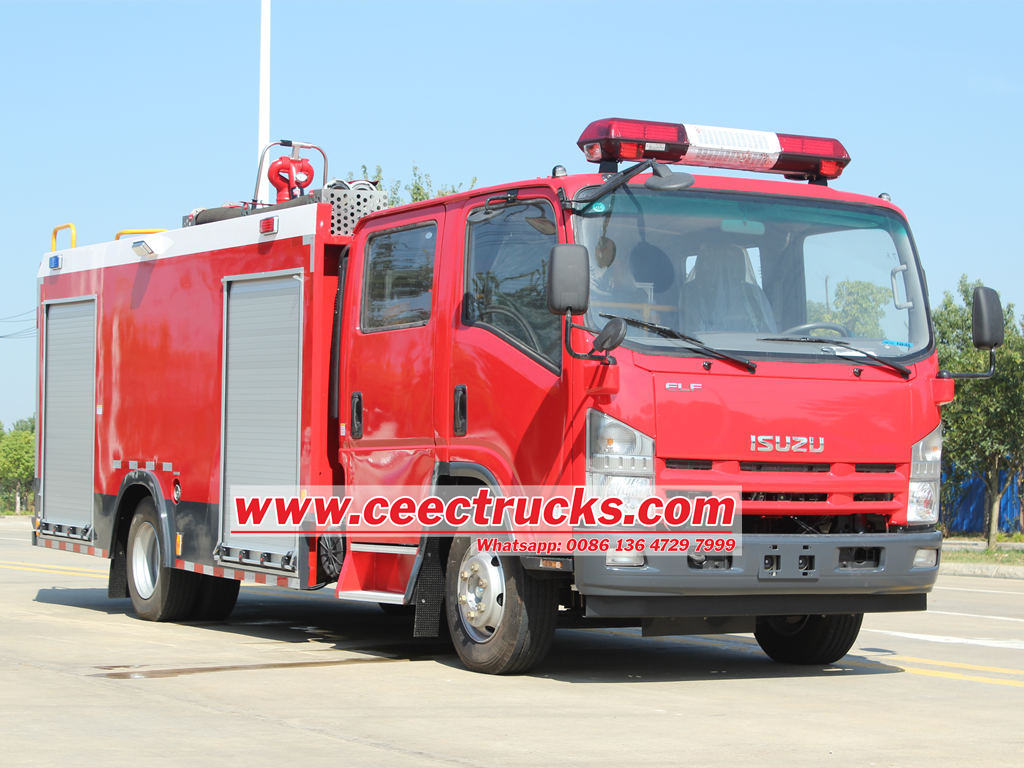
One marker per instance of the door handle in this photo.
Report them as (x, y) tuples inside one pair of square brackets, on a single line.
[(357, 415), (461, 411)]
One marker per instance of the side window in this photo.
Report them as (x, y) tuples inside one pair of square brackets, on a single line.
[(397, 278), (506, 275)]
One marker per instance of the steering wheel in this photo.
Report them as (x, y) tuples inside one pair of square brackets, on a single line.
[(495, 309), (842, 330)]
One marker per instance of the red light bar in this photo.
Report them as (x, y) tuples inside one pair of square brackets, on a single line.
[(798, 157)]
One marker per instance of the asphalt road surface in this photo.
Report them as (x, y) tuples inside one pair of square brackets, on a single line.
[(302, 679)]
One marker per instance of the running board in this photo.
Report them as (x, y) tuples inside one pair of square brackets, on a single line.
[(370, 596)]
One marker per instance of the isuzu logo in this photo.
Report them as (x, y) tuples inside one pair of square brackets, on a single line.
[(787, 443)]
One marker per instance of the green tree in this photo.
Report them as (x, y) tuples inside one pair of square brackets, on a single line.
[(421, 188), (17, 463), (858, 305), (24, 425), (983, 428)]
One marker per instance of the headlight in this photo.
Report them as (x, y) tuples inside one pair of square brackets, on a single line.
[(620, 462), (925, 471)]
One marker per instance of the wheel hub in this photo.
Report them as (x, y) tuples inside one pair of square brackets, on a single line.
[(145, 561), (481, 594)]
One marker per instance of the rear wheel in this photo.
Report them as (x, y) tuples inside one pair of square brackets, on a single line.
[(157, 593), (500, 619), (807, 639)]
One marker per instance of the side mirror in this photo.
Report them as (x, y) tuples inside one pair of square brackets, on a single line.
[(611, 336), (986, 330), (986, 319), (569, 280)]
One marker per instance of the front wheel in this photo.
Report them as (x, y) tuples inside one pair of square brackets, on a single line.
[(157, 593), (807, 639), (501, 619)]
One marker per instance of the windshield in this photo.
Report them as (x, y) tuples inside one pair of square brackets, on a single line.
[(740, 271)]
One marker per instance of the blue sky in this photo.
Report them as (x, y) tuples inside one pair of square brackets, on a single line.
[(130, 114)]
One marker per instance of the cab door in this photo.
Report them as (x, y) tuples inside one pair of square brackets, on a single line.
[(504, 403), (388, 358)]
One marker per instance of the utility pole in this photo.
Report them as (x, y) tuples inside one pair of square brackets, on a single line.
[(263, 131)]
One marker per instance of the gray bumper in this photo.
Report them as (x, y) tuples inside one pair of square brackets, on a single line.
[(772, 567)]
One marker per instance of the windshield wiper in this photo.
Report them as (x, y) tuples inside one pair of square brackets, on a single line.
[(671, 333), (902, 370), (664, 178)]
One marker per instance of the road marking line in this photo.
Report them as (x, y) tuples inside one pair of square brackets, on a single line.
[(956, 664), (76, 568), (92, 575), (26, 540), (987, 642), (977, 616), (986, 591), (958, 676)]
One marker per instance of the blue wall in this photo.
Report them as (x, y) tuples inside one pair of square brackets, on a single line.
[(969, 515)]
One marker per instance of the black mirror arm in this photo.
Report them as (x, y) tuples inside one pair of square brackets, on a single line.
[(605, 359), (986, 375)]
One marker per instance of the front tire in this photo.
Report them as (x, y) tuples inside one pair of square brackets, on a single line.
[(501, 620), (157, 593), (807, 639)]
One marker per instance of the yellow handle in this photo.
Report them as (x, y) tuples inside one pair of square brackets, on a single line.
[(137, 232), (53, 237)]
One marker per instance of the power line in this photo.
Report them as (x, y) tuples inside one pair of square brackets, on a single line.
[(27, 332), (19, 318)]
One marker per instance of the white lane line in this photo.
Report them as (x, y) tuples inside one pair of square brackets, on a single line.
[(988, 642), (978, 616), (986, 591), (26, 540)]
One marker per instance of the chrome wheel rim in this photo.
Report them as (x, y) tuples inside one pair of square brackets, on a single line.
[(481, 594), (145, 560)]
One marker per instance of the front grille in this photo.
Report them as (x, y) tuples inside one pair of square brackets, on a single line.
[(872, 497), (814, 524), (698, 464), (787, 488), (782, 466), (876, 469), (783, 496)]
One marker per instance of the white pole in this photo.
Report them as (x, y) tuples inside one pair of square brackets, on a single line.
[(263, 137)]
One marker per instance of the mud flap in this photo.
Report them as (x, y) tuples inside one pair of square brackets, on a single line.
[(117, 582), (429, 591)]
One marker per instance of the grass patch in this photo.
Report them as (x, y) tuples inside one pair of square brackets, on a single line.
[(993, 556)]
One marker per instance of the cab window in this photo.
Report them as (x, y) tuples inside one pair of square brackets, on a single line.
[(507, 251)]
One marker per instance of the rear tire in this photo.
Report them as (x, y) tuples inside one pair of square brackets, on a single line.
[(807, 639), (157, 593), (504, 626), (216, 598)]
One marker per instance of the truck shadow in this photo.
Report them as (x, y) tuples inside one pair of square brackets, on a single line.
[(577, 655)]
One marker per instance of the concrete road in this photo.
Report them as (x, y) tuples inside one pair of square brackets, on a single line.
[(305, 680)]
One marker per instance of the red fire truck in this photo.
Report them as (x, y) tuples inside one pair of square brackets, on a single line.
[(771, 335)]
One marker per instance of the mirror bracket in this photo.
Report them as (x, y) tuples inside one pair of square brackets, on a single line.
[(985, 375), (605, 359)]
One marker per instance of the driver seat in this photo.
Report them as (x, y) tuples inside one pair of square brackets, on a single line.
[(721, 294)]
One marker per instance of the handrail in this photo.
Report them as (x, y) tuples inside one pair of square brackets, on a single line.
[(137, 232), (58, 228)]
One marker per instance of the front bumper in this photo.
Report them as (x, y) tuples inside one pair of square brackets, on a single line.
[(775, 574)]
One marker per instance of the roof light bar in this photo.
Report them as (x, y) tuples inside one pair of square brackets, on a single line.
[(798, 157)]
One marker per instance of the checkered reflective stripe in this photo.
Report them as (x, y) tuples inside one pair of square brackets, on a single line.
[(232, 573), (71, 546)]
